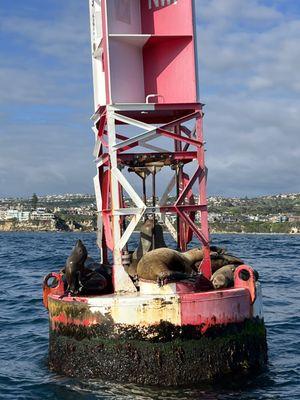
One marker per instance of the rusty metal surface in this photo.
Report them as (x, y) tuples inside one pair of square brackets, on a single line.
[(203, 309), (216, 307), (199, 309)]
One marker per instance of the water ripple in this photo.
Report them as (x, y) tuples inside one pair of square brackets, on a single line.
[(26, 257)]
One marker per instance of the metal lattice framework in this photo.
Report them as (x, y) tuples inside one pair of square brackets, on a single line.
[(116, 152)]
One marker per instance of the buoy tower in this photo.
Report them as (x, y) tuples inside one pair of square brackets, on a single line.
[(145, 82), (149, 152)]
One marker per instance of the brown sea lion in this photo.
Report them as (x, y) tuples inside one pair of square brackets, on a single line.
[(165, 265), (223, 277), (93, 282), (75, 266), (96, 277), (219, 260), (145, 244)]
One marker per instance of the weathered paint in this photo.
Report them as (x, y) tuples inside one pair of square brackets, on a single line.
[(216, 307), (57, 289), (203, 309), (249, 284), (164, 339), (151, 288), (257, 308)]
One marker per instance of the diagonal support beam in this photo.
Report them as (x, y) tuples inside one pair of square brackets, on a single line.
[(152, 131), (129, 230), (180, 138), (133, 122), (145, 145), (129, 189), (194, 228), (190, 184)]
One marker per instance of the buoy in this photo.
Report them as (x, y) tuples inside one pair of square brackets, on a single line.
[(178, 330)]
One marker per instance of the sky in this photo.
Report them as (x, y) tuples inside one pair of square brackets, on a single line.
[(249, 63)]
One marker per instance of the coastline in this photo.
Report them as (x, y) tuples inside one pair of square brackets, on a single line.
[(136, 232)]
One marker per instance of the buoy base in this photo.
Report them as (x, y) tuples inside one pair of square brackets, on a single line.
[(173, 357)]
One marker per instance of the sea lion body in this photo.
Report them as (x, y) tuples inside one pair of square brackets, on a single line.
[(145, 244), (103, 269), (219, 260), (168, 265), (97, 277), (75, 266), (223, 277), (93, 282)]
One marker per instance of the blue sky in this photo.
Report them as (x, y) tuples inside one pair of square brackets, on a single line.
[(249, 62)]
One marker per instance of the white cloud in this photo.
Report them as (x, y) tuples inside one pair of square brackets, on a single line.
[(249, 61), (238, 10)]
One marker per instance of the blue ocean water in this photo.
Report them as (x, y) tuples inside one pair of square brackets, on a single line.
[(26, 257)]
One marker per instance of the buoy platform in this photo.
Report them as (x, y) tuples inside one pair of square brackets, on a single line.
[(165, 336)]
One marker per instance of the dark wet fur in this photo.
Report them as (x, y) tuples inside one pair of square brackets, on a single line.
[(75, 266)]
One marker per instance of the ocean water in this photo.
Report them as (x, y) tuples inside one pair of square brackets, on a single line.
[(26, 257)]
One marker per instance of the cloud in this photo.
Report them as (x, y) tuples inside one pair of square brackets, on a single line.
[(249, 80), (248, 67), (50, 158), (46, 99)]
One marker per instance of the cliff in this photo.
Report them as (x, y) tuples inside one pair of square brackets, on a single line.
[(46, 226)]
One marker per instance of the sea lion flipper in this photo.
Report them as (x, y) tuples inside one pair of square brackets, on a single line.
[(171, 276)]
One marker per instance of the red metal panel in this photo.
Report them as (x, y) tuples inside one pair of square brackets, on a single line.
[(215, 307), (176, 18), (169, 56), (169, 70)]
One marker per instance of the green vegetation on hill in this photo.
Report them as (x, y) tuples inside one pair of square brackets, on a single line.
[(255, 227), (266, 205)]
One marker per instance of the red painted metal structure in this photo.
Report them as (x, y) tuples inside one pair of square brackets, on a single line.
[(201, 309), (180, 207), (145, 75)]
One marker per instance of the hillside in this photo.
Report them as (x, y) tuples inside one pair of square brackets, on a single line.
[(266, 214)]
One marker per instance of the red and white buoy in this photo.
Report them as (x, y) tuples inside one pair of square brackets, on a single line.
[(148, 117)]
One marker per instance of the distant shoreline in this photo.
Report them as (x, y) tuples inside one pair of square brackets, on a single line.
[(136, 232)]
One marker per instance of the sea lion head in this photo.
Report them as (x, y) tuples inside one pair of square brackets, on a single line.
[(217, 250), (80, 252), (219, 282), (147, 229)]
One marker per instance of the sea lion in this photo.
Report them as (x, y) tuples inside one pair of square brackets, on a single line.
[(145, 244), (93, 282), (219, 260), (165, 265), (223, 277), (97, 277), (75, 266)]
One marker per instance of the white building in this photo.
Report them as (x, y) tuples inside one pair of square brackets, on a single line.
[(41, 215), (17, 215)]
